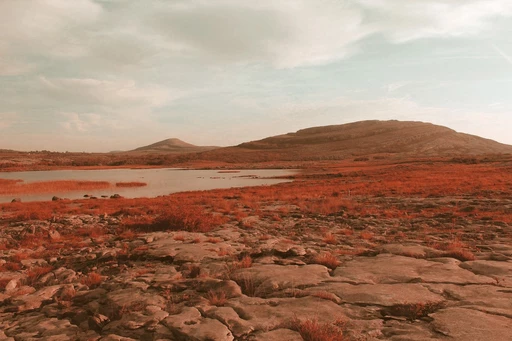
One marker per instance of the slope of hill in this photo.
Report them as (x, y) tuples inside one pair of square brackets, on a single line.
[(360, 139), (172, 145)]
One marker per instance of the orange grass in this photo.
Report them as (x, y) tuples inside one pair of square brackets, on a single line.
[(34, 274), (131, 184), (312, 330), (92, 280), (327, 259), (18, 187), (346, 194)]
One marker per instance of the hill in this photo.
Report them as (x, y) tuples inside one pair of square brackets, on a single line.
[(172, 145), (359, 139)]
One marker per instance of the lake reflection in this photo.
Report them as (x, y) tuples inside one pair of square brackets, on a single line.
[(160, 181)]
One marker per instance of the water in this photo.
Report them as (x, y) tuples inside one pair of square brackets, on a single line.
[(160, 181)]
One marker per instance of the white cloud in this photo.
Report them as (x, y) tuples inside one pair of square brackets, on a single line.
[(105, 35), (282, 33), (408, 20), (80, 122)]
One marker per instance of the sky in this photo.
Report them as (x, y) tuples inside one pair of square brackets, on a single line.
[(103, 75)]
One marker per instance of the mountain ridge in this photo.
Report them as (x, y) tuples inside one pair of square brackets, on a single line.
[(362, 138), (171, 145)]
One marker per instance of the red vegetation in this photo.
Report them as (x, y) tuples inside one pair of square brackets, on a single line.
[(34, 274), (176, 218), (131, 184), (327, 259), (92, 280), (10, 266), (346, 189), (414, 311), (312, 330), (18, 187)]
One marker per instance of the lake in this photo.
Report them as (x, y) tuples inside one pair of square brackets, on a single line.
[(161, 181)]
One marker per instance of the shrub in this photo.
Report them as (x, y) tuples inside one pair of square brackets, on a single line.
[(10, 266), (192, 219), (330, 238), (327, 259), (414, 311), (34, 274), (217, 298), (312, 330), (92, 280)]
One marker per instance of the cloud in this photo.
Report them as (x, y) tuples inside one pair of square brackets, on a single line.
[(81, 122), (403, 21), (46, 27), (282, 33), (104, 93), (502, 53), (108, 36), (7, 119)]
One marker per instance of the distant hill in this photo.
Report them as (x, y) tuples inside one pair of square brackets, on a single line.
[(359, 139), (172, 145)]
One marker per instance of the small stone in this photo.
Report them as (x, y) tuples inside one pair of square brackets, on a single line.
[(98, 321), (11, 286), (54, 235)]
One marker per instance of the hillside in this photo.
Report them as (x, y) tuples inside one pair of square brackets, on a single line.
[(172, 145), (360, 139)]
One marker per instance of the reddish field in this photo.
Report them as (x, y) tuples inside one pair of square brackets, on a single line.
[(19, 187), (358, 189), (131, 184)]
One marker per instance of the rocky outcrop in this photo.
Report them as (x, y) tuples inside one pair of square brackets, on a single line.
[(253, 283)]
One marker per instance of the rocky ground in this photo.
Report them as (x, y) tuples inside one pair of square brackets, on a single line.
[(290, 276)]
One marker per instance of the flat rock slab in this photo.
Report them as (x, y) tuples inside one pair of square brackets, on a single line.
[(382, 294), (487, 298), (386, 268), (489, 268), (462, 324), (133, 299), (267, 279), (40, 326), (409, 250), (34, 300), (395, 330), (269, 314), (278, 335), (182, 252), (190, 325)]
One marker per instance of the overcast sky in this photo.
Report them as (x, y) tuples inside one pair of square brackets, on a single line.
[(102, 75)]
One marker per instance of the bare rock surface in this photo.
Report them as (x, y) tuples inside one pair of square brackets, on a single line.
[(365, 278), (468, 324)]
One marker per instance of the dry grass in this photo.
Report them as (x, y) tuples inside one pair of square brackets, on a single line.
[(176, 218), (92, 280), (460, 254), (327, 259), (34, 274), (245, 262), (217, 298), (131, 184), (213, 240), (330, 238), (312, 330), (14, 187), (10, 266), (456, 249), (413, 311)]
